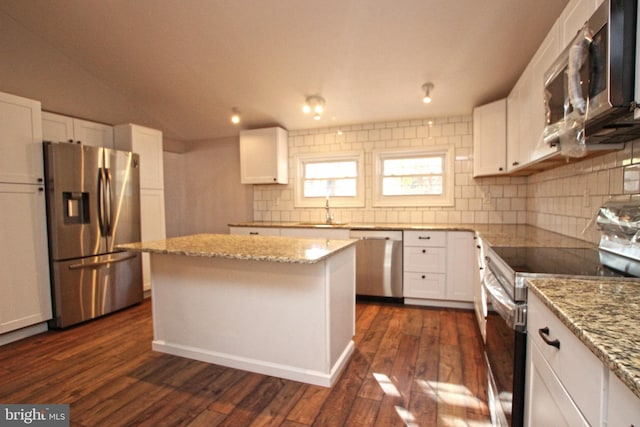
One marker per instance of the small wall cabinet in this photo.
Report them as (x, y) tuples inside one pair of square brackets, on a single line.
[(490, 139), (59, 128), (264, 156)]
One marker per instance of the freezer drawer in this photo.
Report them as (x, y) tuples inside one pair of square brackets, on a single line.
[(91, 287)]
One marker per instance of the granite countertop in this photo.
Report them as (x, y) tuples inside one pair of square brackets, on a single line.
[(604, 314), (493, 234), (257, 248)]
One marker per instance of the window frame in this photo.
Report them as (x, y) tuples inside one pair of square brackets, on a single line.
[(448, 173), (335, 201)]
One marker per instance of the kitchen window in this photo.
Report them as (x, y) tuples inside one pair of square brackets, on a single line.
[(337, 177), (414, 177)]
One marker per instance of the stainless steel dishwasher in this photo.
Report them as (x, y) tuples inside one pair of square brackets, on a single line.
[(378, 263)]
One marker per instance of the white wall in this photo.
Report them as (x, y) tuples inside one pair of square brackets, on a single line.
[(481, 201), (202, 188)]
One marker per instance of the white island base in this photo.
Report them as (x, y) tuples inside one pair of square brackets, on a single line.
[(289, 320)]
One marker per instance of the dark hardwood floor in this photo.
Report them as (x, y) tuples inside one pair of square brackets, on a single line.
[(412, 366)]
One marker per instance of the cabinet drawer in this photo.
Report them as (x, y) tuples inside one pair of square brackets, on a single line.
[(255, 231), (424, 285), (579, 370), (427, 260), (425, 238)]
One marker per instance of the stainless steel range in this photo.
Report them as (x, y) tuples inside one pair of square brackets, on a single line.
[(504, 283)]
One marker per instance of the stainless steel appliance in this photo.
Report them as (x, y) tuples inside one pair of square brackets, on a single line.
[(378, 263), (589, 90), (93, 204), (504, 283)]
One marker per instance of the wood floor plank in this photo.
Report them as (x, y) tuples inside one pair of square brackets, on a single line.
[(234, 394), (382, 364), (411, 366), (363, 412), (309, 405), (274, 413), (337, 407)]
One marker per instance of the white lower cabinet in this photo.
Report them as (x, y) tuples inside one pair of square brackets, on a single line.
[(479, 295), (557, 355), (439, 268), (623, 408), (548, 403), (24, 271)]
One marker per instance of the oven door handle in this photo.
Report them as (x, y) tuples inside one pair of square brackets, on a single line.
[(514, 315)]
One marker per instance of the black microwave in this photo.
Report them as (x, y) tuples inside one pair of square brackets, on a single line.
[(589, 90)]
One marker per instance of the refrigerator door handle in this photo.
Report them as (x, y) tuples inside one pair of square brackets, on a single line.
[(108, 197), (101, 208), (96, 264)]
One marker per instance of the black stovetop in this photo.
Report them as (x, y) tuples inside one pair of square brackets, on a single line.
[(553, 260)]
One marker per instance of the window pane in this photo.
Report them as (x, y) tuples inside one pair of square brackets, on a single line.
[(330, 187), (342, 169), (413, 166), (410, 186)]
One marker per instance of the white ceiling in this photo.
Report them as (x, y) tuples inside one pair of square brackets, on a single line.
[(181, 66)]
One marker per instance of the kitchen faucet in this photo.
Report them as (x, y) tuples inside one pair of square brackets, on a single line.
[(327, 215)]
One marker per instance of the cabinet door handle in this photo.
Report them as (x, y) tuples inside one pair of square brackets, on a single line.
[(253, 233), (515, 163), (544, 334), (500, 169), (424, 237)]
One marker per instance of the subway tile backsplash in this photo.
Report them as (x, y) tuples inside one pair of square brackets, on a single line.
[(486, 200), (563, 200)]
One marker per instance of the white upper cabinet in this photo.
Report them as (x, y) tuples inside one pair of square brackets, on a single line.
[(21, 142), (535, 107), (513, 127), (490, 138), (264, 156), (526, 108), (56, 127), (147, 143)]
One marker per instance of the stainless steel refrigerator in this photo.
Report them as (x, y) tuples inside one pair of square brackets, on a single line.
[(93, 204)]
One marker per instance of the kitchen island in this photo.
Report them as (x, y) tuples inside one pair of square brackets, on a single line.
[(277, 306)]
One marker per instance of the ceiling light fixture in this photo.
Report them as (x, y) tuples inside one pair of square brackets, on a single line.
[(314, 104), (235, 116), (427, 88)]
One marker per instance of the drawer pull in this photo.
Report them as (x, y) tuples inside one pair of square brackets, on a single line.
[(424, 237), (253, 233), (544, 334), (424, 251), (424, 277)]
